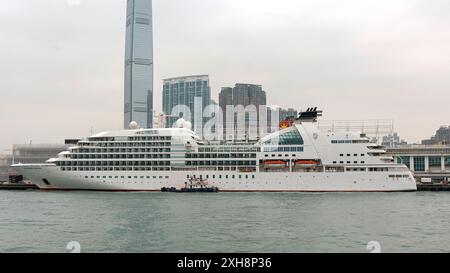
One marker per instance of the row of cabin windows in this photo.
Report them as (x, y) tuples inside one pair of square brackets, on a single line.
[(112, 163), (384, 169), (220, 163), (120, 169), (229, 149), (283, 149), (124, 144), (355, 155), (224, 176), (349, 162), (120, 150), (139, 138), (399, 176), (129, 177), (286, 155), (349, 141), (341, 142), (220, 155), (111, 156), (150, 138)]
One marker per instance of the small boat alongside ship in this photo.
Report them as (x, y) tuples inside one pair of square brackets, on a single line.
[(195, 185), (17, 186)]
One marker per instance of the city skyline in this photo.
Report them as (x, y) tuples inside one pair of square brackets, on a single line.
[(326, 63)]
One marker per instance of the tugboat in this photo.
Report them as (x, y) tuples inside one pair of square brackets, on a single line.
[(192, 186)]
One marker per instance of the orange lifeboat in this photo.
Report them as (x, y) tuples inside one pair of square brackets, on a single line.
[(306, 163), (275, 163)]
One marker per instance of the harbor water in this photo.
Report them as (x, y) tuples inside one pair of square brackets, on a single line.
[(36, 221)]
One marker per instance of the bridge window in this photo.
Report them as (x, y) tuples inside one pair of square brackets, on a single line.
[(291, 137)]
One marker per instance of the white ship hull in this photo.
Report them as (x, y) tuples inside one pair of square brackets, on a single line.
[(248, 182), (299, 158)]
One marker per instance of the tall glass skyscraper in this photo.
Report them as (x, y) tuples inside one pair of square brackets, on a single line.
[(184, 91), (139, 64)]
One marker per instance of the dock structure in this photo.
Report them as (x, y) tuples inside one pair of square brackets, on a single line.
[(430, 164), (433, 187)]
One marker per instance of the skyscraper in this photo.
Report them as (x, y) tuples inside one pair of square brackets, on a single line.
[(183, 91), (139, 64), (244, 95)]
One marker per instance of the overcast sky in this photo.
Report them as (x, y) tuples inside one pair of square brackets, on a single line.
[(62, 61)]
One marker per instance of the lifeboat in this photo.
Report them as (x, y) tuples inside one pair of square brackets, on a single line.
[(306, 163), (275, 163)]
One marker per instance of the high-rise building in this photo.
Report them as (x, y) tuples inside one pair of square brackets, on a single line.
[(242, 95), (184, 91), (392, 140), (139, 64), (441, 137), (288, 113), (280, 114)]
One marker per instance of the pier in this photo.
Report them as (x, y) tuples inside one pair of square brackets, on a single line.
[(433, 187)]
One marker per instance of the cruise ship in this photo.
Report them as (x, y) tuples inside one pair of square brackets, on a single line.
[(300, 158)]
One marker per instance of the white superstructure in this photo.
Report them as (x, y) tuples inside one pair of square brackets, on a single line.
[(297, 159)]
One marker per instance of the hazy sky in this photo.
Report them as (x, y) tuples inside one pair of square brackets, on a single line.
[(62, 61)]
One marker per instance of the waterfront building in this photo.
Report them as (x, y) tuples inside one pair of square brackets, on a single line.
[(5, 162), (138, 104), (30, 154), (425, 161)]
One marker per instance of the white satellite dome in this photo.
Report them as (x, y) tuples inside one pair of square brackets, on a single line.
[(134, 125), (180, 123), (188, 125)]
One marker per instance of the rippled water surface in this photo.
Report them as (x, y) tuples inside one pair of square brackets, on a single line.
[(224, 222)]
